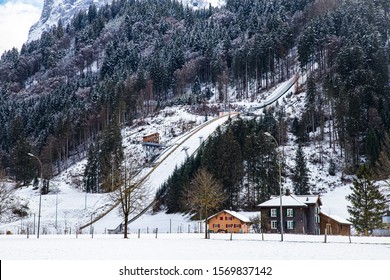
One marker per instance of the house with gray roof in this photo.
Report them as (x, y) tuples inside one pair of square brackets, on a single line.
[(300, 214)]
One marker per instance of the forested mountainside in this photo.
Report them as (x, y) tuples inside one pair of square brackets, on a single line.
[(79, 83)]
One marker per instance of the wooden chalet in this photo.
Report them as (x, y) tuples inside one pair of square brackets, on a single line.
[(300, 214), (227, 221), (151, 138), (334, 225)]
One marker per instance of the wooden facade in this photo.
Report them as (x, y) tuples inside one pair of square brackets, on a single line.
[(227, 221), (300, 214), (151, 138), (334, 225)]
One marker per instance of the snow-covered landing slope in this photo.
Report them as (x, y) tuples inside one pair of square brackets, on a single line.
[(172, 157)]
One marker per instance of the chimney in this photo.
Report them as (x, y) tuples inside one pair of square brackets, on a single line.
[(288, 192)]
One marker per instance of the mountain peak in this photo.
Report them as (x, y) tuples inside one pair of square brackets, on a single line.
[(55, 10), (64, 10)]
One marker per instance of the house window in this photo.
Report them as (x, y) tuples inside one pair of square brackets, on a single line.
[(229, 225), (290, 212), (274, 224), (317, 217), (290, 224), (216, 226), (273, 213), (228, 218), (221, 218)]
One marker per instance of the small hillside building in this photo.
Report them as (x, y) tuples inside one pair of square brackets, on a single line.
[(385, 231), (227, 221), (300, 214), (334, 225), (151, 138), (386, 220)]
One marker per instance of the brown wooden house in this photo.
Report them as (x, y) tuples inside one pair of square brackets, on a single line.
[(227, 221), (334, 225), (300, 214), (151, 138)]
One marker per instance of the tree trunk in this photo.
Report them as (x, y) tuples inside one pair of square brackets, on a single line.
[(125, 226), (205, 226)]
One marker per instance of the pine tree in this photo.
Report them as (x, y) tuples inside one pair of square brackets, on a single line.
[(110, 156), (382, 165), (91, 172), (332, 167), (22, 164), (262, 167), (311, 97), (301, 174), (368, 204), (230, 168)]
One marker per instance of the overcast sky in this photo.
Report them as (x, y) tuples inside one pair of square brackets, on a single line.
[(16, 18)]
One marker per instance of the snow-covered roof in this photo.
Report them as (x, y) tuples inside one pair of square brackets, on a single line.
[(309, 199), (234, 214), (337, 218), (291, 200)]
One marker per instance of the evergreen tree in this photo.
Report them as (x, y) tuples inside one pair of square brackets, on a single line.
[(368, 204), (311, 97), (104, 161), (261, 167), (332, 167), (91, 172), (110, 156), (230, 168), (22, 165), (301, 174), (382, 165)]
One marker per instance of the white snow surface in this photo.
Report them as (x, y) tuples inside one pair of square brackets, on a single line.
[(193, 247)]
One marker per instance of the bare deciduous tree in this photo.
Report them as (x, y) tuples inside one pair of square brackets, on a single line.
[(205, 194), (132, 196), (6, 196)]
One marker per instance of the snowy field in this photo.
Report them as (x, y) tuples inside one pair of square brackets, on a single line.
[(193, 247), (107, 256)]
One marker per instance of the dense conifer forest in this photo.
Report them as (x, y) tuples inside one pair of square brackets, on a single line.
[(65, 96)]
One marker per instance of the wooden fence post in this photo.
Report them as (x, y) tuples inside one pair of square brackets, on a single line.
[(156, 232), (326, 233)]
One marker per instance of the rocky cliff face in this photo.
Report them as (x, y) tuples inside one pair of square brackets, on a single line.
[(64, 10)]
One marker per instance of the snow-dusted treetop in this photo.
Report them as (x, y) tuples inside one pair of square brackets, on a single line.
[(64, 10)]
